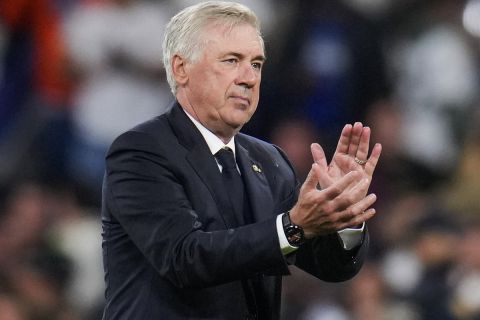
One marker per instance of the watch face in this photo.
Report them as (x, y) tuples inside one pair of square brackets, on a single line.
[(295, 235), (295, 238)]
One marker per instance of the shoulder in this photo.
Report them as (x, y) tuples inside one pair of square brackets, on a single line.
[(259, 146), (264, 151), (145, 136)]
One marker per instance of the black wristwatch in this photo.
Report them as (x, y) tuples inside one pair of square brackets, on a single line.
[(294, 233)]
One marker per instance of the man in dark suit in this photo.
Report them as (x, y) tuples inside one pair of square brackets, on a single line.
[(201, 221)]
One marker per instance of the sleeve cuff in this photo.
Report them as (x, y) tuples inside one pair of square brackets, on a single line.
[(350, 237), (285, 246)]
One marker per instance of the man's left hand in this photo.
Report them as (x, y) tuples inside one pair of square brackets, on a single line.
[(351, 155)]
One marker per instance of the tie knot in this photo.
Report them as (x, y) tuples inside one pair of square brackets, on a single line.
[(226, 159)]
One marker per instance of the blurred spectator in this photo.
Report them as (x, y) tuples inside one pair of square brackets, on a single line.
[(462, 191), (30, 267), (34, 42), (436, 245), (369, 298), (11, 308), (116, 50), (466, 292), (405, 185), (317, 301), (436, 81), (76, 233), (34, 86), (23, 222), (331, 69)]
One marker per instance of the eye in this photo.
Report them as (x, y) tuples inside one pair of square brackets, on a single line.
[(231, 61), (257, 66)]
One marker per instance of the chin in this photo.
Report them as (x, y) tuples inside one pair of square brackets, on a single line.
[(237, 123)]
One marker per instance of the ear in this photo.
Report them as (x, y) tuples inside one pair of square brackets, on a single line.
[(179, 70)]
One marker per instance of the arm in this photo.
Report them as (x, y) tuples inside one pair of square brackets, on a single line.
[(325, 258), (147, 195)]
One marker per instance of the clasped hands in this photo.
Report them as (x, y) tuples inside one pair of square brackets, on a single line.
[(335, 196)]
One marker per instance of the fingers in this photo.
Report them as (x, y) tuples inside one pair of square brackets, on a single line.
[(318, 154), (337, 188), (358, 220), (354, 215), (318, 174), (321, 171), (358, 213), (350, 195), (355, 142), (355, 139), (311, 180), (361, 218), (373, 160), (363, 145), (344, 141)]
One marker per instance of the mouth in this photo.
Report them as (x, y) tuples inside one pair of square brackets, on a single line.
[(241, 99)]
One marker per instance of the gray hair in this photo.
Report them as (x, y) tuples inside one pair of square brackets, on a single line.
[(183, 32)]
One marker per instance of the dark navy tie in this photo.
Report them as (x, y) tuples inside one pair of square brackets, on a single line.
[(233, 182), (236, 192)]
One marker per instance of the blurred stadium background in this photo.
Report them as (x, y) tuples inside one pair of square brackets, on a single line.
[(75, 73)]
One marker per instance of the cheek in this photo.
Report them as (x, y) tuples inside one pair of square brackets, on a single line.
[(256, 91), (217, 88), (255, 99), (209, 93)]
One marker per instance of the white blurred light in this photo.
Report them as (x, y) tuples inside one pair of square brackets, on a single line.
[(401, 271), (471, 17), (468, 292), (322, 311)]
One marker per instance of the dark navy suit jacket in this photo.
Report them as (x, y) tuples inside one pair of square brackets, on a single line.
[(171, 246)]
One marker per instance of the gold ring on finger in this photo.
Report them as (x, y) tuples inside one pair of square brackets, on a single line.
[(360, 162)]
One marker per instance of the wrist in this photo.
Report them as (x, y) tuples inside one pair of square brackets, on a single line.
[(294, 233)]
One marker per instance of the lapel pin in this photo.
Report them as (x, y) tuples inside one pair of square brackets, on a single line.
[(256, 168)]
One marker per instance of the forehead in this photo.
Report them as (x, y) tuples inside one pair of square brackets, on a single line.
[(241, 38)]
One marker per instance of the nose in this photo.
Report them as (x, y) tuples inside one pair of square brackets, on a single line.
[(247, 75)]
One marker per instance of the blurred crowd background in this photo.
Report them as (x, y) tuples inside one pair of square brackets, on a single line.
[(75, 73)]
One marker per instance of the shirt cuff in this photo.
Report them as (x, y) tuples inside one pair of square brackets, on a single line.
[(285, 246), (351, 237)]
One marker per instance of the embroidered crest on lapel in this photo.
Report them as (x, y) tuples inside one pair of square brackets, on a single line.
[(256, 168)]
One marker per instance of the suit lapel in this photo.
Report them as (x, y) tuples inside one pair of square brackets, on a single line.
[(206, 168), (256, 185), (203, 162)]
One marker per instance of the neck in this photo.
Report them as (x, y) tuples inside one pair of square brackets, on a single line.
[(224, 134), (224, 139)]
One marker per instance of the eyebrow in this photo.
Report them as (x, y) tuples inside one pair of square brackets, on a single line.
[(261, 58)]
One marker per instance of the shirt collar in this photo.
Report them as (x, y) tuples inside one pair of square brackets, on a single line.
[(214, 143)]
